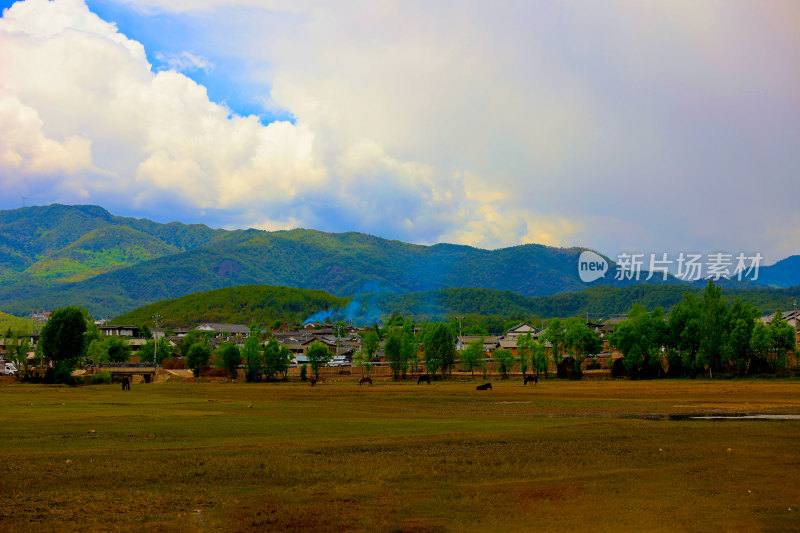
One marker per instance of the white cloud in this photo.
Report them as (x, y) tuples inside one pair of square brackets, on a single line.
[(184, 61), (618, 125), (26, 151)]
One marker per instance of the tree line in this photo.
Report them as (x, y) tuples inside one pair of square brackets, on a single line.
[(702, 335)]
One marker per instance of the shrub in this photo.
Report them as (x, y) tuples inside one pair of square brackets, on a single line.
[(303, 372), (101, 378)]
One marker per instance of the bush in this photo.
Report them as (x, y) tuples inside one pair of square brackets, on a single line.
[(303, 372), (209, 372), (101, 378)]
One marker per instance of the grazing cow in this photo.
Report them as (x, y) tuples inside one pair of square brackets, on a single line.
[(365, 379), (313, 381), (531, 379), (126, 384), (485, 386), (424, 377)]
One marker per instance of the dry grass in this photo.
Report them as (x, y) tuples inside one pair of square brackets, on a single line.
[(399, 457)]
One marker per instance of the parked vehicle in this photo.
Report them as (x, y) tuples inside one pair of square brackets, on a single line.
[(10, 370)]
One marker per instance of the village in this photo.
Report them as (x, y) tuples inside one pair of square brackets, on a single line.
[(344, 343)]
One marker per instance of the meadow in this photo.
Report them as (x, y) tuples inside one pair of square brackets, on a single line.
[(588, 455)]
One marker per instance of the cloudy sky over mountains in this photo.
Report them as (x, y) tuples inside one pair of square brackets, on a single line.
[(649, 126)]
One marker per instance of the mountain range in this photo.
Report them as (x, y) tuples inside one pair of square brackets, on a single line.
[(57, 255)]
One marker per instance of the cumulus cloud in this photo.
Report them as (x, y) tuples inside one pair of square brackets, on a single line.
[(616, 125)]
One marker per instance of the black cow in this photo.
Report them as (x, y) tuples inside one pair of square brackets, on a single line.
[(126, 384), (424, 377), (365, 379), (485, 386), (313, 381), (531, 379)]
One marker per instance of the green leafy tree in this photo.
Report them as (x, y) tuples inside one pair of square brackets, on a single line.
[(580, 341), (408, 352), (62, 340), (117, 349), (505, 361), (284, 360), (554, 335), (303, 372), (539, 357), (370, 343), (363, 360), (713, 327), (682, 336), (760, 344), (393, 351), (318, 356), (159, 347), (472, 357), (253, 359), (17, 348), (640, 339), (742, 320), (197, 357), (231, 358), (782, 339), (439, 348), (525, 352)]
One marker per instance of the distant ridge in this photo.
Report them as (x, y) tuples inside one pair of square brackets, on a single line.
[(57, 255)]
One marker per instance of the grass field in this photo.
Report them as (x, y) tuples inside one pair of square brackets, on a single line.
[(592, 456)]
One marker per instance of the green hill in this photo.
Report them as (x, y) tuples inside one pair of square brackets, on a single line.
[(244, 304), (264, 304), (57, 255), (16, 324)]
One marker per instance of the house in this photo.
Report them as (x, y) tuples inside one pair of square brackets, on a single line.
[(522, 328), (490, 342), (228, 330), (119, 331)]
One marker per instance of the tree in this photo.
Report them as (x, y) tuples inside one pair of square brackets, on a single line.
[(62, 340), (539, 357), (742, 320), (161, 352), (760, 346), (408, 352), (253, 359), (17, 348), (117, 349), (525, 352), (440, 348), (555, 336), (393, 351), (505, 361), (277, 358), (580, 341), (682, 336), (370, 343), (318, 356), (713, 326), (231, 358), (361, 359), (640, 339), (472, 356), (197, 357), (782, 339)]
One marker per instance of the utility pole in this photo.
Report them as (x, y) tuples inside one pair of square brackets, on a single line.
[(459, 318), (156, 319)]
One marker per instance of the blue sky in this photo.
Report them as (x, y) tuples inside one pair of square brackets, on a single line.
[(619, 126)]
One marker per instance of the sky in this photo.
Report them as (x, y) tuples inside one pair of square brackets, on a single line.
[(614, 125)]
